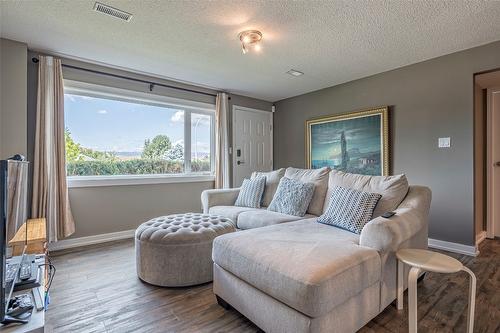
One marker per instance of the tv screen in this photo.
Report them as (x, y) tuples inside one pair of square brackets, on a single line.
[(13, 214)]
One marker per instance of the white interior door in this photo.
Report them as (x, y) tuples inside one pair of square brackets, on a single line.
[(493, 160), (252, 142)]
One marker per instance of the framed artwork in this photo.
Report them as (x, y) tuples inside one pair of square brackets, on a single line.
[(355, 142)]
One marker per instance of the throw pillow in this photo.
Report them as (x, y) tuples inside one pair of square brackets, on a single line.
[(349, 209), (251, 192), (319, 177), (292, 197), (272, 181), (392, 188)]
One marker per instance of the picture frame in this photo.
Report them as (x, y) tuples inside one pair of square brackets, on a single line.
[(354, 142)]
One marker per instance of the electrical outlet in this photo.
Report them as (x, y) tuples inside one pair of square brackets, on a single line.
[(444, 142)]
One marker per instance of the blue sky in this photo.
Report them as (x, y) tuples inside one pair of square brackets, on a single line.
[(110, 125)]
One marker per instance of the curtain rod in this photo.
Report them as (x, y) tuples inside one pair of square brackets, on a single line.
[(151, 84)]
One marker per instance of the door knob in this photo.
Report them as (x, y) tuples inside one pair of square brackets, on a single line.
[(497, 164), (240, 162)]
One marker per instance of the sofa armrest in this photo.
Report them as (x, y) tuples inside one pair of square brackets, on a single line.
[(412, 215), (218, 197)]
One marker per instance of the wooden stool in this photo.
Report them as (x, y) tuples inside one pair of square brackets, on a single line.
[(423, 260)]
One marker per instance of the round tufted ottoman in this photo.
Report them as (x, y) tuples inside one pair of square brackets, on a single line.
[(176, 250)]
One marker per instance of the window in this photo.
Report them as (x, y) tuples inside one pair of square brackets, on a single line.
[(117, 133)]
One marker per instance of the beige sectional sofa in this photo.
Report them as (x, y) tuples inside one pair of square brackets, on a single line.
[(291, 274)]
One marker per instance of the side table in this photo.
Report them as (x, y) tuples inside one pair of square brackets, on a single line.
[(424, 260)]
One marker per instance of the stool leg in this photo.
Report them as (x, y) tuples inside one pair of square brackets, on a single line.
[(412, 299), (472, 300), (401, 269)]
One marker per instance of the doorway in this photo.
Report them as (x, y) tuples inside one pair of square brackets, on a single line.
[(487, 155), (252, 142)]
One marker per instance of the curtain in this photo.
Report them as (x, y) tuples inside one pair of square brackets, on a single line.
[(50, 191), (221, 142), (16, 198)]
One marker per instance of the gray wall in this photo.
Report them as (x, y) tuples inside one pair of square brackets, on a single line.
[(427, 100), (13, 131), (108, 209), (99, 210)]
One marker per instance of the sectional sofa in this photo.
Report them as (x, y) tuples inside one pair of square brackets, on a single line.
[(292, 274)]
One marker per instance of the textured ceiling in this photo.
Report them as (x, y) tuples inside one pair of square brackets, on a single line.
[(196, 41)]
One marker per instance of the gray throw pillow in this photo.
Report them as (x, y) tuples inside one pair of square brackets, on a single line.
[(251, 192), (292, 197), (349, 209)]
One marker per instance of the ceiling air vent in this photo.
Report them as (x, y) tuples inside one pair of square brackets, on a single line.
[(108, 10)]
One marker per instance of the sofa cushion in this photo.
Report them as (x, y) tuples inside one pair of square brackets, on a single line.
[(292, 197), (349, 209), (392, 188), (309, 266), (263, 218), (319, 177), (230, 212), (272, 181), (251, 192)]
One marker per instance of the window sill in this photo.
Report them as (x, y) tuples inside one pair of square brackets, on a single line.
[(97, 181)]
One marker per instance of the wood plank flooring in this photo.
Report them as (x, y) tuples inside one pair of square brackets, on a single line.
[(96, 290)]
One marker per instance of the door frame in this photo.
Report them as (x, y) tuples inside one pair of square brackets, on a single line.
[(231, 150), (490, 223)]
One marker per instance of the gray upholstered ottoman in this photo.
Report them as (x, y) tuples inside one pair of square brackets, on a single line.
[(176, 250)]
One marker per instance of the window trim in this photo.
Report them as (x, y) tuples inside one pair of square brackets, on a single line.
[(121, 180), (100, 91)]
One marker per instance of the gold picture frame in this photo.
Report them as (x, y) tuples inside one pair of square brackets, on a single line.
[(331, 130)]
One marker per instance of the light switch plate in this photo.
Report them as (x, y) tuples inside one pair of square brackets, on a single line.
[(444, 142)]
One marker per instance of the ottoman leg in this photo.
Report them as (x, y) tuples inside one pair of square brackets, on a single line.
[(223, 303)]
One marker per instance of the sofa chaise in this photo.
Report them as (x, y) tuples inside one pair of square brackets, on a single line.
[(290, 274)]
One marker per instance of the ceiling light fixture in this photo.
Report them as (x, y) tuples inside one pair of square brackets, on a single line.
[(294, 72), (250, 40)]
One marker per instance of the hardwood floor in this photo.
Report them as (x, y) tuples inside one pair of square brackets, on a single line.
[(96, 290)]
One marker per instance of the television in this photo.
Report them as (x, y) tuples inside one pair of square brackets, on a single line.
[(13, 214)]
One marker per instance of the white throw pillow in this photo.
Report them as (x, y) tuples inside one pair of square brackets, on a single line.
[(392, 188), (349, 209), (272, 180), (319, 177)]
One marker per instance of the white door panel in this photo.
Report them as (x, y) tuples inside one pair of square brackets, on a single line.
[(252, 143)]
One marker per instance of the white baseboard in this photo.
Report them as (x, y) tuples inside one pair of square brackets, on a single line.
[(90, 240), (480, 237), (453, 247)]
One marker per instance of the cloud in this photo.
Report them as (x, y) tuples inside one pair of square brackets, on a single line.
[(70, 97), (102, 111), (178, 117)]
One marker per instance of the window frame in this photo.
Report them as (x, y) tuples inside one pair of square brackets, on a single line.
[(132, 96)]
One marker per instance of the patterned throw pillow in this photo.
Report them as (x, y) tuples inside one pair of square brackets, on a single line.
[(349, 209), (292, 197), (251, 192)]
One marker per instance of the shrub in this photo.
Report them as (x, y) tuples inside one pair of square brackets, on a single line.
[(132, 167)]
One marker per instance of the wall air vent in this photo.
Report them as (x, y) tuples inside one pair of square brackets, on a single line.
[(108, 10)]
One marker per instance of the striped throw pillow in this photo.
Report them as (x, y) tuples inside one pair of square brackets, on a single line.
[(251, 192), (349, 209)]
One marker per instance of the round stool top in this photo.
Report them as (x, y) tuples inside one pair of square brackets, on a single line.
[(429, 261), (184, 228)]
